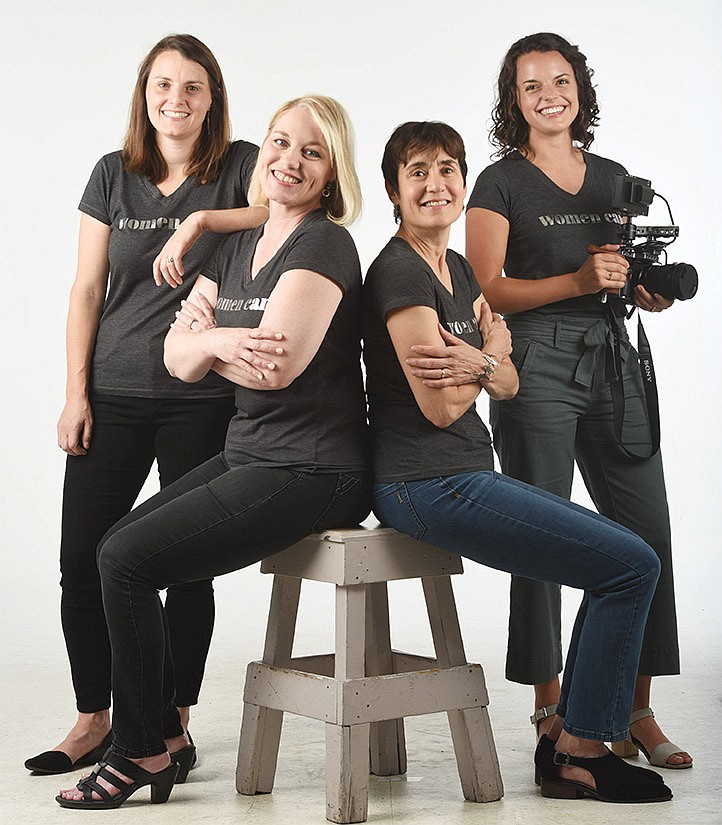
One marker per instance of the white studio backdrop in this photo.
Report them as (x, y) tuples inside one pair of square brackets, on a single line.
[(69, 70)]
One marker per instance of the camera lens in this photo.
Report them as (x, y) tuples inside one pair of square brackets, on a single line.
[(671, 280)]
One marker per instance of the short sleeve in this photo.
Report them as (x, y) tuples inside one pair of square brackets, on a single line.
[(474, 288), (325, 248), (401, 284), (212, 268), (96, 197), (491, 191), (247, 164)]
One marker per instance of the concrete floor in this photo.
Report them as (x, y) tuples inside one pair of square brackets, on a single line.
[(37, 708)]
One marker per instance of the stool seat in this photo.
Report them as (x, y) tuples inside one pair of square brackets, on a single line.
[(364, 689)]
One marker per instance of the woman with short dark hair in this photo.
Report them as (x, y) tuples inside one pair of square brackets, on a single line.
[(433, 466)]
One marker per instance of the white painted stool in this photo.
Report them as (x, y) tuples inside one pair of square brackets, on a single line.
[(363, 691)]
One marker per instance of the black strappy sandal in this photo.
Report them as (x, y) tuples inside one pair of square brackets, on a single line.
[(161, 784)]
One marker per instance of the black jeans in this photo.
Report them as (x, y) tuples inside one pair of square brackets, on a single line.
[(214, 520), (101, 487)]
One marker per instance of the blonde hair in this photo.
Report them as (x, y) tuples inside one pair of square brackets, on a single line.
[(343, 204)]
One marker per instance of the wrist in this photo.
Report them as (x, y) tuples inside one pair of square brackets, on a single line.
[(490, 364), (198, 221)]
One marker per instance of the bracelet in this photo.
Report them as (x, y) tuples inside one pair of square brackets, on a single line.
[(489, 368)]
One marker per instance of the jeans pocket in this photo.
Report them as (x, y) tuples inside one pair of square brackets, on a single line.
[(349, 504), (393, 508)]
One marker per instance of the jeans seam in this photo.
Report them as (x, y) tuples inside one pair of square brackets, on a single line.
[(131, 574), (542, 530), (345, 482)]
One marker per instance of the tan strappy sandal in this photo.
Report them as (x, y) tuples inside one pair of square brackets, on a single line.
[(659, 756)]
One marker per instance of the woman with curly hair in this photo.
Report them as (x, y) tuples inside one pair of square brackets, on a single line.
[(543, 215)]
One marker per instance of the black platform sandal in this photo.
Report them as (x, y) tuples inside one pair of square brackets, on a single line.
[(615, 780), (161, 784)]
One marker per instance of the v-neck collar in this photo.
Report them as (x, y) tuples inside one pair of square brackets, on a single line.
[(255, 236), (586, 183), (156, 194), (450, 292)]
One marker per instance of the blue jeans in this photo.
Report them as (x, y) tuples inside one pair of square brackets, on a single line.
[(215, 519), (511, 526), (563, 412)]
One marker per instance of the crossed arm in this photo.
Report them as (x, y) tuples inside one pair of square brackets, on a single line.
[(427, 352), (269, 357)]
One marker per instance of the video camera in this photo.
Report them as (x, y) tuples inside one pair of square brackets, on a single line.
[(632, 197)]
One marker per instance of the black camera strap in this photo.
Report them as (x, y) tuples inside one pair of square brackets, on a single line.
[(649, 382)]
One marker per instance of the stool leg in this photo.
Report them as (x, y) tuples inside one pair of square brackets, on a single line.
[(347, 746), (387, 740), (471, 733), (258, 749), (347, 772), (261, 727)]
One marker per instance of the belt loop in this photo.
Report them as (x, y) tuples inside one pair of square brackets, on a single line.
[(557, 334)]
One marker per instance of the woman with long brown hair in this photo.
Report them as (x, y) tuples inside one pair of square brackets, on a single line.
[(123, 410)]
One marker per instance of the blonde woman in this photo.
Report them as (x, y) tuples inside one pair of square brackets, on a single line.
[(294, 459)]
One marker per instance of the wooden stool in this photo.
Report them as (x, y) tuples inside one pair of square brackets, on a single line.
[(365, 689)]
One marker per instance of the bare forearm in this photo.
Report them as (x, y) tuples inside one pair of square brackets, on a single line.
[(231, 220), (238, 376), (448, 404), (82, 327), (187, 355), (509, 295)]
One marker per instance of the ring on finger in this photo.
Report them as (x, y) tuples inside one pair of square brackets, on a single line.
[(443, 372), (190, 326), (169, 260)]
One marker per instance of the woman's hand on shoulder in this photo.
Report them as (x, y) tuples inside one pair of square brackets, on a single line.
[(605, 270), (75, 426), (168, 263)]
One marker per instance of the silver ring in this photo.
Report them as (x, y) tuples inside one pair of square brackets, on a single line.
[(169, 260), (443, 372), (609, 276)]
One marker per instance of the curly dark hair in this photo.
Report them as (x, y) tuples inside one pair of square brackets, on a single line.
[(509, 130)]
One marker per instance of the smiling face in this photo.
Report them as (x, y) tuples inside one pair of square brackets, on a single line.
[(431, 191), (295, 162), (546, 93), (177, 96)]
